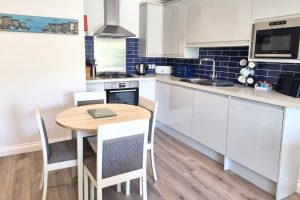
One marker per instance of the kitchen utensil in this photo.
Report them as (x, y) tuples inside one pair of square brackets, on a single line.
[(141, 69), (93, 71)]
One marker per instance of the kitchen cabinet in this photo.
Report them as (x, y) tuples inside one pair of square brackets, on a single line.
[(174, 14), (209, 125), (175, 107), (218, 22), (162, 96), (150, 30), (254, 136), (147, 89), (263, 9)]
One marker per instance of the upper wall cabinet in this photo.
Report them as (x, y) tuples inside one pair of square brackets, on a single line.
[(218, 22), (263, 9), (151, 28), (174, 32)]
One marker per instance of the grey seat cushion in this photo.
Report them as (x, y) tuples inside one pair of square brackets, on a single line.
[(119, 156), (67, 150)]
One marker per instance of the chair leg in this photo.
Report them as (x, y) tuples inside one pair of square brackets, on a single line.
[(141, 187), (92, 191), (42, 179), (127, 188), (86, 185), (153, 164), (144, 186), (99, 193), (74, 169), (45, 185), (119, 187)]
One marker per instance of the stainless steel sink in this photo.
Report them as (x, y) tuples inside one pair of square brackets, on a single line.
[(208, 82)]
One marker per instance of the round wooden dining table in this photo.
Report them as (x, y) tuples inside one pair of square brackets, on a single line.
[(78, 118)]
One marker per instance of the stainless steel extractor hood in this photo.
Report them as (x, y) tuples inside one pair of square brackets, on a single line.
[(111, 28)]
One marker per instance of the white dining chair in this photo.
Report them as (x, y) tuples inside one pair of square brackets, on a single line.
[(86, 98), (56, 156), (121, 156), (152, 107)]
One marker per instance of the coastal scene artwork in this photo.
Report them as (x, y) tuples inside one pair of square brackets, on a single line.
[(33, 24)]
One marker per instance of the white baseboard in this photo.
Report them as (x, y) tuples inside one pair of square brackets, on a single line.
[(27, 147)]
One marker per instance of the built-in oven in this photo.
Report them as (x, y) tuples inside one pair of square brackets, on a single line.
[(277, 39), (125, 92)]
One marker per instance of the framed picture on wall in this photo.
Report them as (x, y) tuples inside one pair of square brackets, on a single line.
[(34, 24)]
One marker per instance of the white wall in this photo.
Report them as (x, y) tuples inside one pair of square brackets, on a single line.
[(36, 68), (129, 15)]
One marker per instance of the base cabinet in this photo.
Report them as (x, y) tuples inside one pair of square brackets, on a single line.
[(254, 136), (175, 107), (209, 126), (147, 89)]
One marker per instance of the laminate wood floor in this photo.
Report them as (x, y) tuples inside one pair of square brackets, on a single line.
[(182, 174)]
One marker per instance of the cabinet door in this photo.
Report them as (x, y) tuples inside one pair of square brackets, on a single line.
[(147, 89), (199, 21), (254, 136), (180, 109), (275, 8), (218, 22), (154, 30), (232, 20), (209, 125), (162, 96), (174, 29)]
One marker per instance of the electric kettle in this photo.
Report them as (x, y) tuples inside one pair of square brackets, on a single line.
[(141, 69)]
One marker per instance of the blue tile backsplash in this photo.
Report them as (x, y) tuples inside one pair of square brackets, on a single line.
[(227, 62), (89, 47)]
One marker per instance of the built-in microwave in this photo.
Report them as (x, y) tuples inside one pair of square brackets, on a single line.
[(278, 39)]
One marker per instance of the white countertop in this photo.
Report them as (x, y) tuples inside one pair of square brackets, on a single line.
[(91, 80), (270, 97)]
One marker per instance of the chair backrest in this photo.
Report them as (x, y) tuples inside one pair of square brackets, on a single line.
[(86, 98), (121, 148), (43, 135), (152, 107)]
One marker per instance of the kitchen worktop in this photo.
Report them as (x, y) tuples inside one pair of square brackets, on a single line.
[(91, 80), (270, 97)]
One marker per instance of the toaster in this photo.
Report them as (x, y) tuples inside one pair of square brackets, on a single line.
[(289, 84), (163, 70)]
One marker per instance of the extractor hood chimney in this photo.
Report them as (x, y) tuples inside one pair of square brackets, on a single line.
[(111, 28)]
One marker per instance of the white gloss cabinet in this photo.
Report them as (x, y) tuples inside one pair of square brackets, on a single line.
[(263, 9), (150, 30), (162, 96), (181, 109), (175, 107), (218, 22), (147, 88), (254, 136), (174, 32), (209, 125)]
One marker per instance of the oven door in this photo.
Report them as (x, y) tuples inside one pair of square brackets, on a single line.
[(277, 43), (124, 96)]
